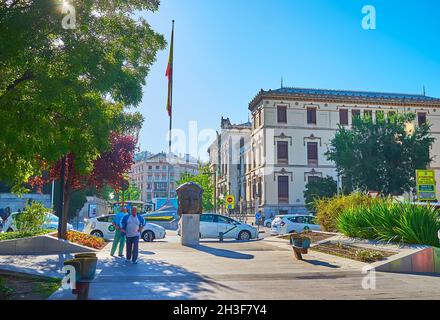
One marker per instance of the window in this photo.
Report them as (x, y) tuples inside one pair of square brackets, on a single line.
[(391, 114), (312, 153), (298, 219), (311, 115), (283, 152), (282, 114), (421, 117), (259, 118), (283, 189), (343, 117), (312, 179), (207, 218), (380, 115), (368, 114), (222, 219)]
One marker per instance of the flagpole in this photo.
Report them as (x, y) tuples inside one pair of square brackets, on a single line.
[(171, 113)]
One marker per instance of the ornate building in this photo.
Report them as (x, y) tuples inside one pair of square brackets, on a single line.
[(290, 131)]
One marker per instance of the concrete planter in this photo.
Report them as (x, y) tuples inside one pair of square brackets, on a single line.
[(41, 245)]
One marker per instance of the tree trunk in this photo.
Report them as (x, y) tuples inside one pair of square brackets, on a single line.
[(67, 197), (66, 206)]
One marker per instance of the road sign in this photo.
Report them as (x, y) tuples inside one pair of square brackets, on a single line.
[(426, 185), (230, 202)]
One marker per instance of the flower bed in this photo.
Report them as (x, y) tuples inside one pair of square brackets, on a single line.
[(352, 252), (21, 235), (85, 240), (314, 236)]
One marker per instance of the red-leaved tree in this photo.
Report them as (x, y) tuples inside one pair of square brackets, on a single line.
[(108, 169)]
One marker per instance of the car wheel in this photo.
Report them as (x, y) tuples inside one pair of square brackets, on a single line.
[(10, 230), (148, 236), (244, 236), (292, 231), (268, 225), (97, 233)]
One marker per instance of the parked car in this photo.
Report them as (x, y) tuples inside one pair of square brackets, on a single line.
[(268, 222), (51, 222), (102, 227), (211, 224), (294, 223)]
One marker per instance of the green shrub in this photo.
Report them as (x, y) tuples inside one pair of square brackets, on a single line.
[(328, 210), (393, 222), (20, 235), (5, 291), (32, 218)]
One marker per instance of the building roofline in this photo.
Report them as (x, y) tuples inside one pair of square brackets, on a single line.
[(345, 96)]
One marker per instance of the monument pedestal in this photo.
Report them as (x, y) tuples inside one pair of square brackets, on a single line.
[(190, 229)]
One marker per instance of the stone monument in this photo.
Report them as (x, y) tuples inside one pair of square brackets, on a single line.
[(190, 208)]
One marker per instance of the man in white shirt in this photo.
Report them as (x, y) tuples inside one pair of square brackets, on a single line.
[(132, 226)]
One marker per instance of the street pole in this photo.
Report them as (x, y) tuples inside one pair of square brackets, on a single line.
[(61, 229), (52, 195), (215, 191)]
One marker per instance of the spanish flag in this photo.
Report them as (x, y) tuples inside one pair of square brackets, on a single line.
[(169, 75)]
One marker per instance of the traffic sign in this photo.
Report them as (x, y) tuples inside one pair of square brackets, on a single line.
[(426, 185), (230, 202)]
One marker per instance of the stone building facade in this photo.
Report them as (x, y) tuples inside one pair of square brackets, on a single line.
[(291, 129), (226, 160)]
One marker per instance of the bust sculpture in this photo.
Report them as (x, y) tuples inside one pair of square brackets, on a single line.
[(190, 198)]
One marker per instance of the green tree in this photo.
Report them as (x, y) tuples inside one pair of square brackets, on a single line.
[(319, 188), (204, 180), (32, 218), (382, 155), (62, 91)]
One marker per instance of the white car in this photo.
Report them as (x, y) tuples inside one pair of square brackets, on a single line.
[(212, 224), (102, 227), (268, 222), (51, 223), (290, 223)]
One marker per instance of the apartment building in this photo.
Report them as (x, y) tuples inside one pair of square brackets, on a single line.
[(154, 174), (291, 129)]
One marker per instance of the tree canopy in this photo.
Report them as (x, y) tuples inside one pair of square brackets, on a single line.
[(202, 179), (383, 155), (64, 91), (319, 188)]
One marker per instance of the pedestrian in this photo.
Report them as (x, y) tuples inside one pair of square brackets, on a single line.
[(132, 226), (119, 239)]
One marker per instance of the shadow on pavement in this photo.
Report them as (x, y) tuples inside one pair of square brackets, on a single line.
[(150, 280), (49, 266), (224, 253), (321, 263)]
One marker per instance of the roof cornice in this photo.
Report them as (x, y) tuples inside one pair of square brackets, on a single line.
[(340, 99)]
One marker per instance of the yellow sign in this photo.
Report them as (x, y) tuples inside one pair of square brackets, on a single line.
[(230, 202), (426, 185)]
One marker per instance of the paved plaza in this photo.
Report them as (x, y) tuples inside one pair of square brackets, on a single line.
[(263, 269)]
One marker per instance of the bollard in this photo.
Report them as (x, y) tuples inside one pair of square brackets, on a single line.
[(300, 245), (85, 267)]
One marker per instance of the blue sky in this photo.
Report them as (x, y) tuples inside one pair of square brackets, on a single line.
[(226, 51)]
